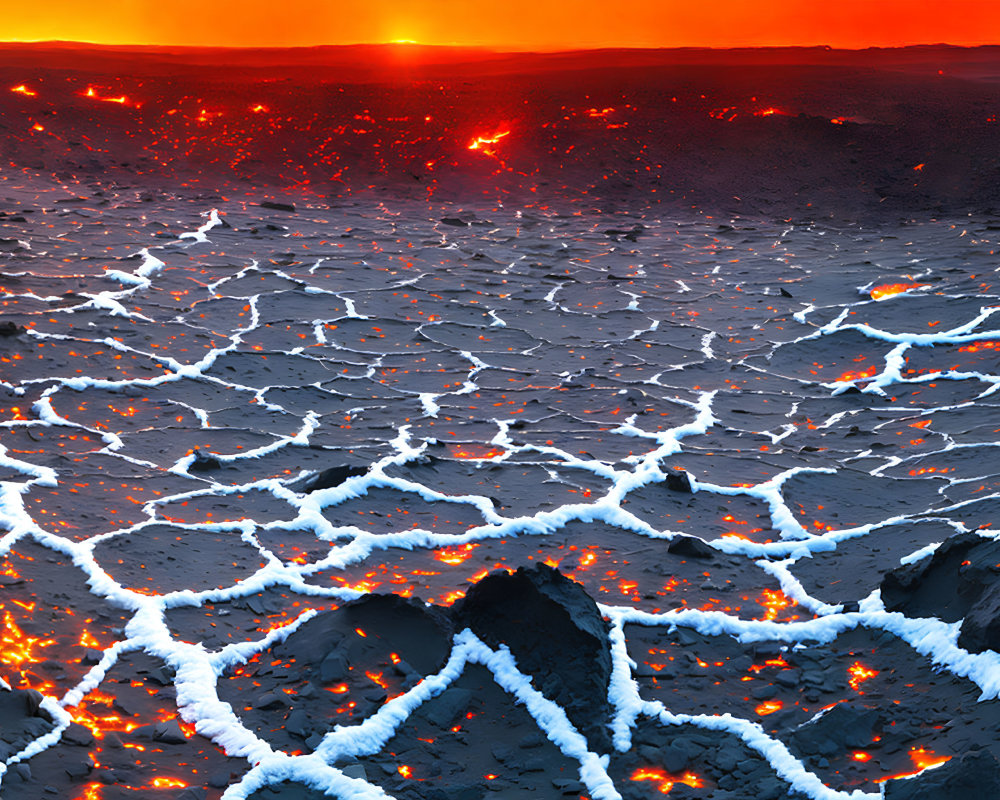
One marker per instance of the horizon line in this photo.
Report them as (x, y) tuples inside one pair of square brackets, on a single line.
[(492, 48)]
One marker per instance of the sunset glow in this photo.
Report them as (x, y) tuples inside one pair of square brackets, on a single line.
[(518, 25)]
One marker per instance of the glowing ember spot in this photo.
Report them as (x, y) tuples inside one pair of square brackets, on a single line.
[(975, 347), (861, 755), (484, 144), (770, 112), (665, 781), (922, 759), (260, 108), (16, 647), (455, 555), (774, 601), (92, 791), (405, 770), (167, 783), (890, 289), (451, 597), (340, 688), (92, 93), (729, 113), (38, 127), (771, 662), (769, 707), (22, 89), (848, 376), (474, 451), (376, 677), (364, 586), (479, 575), (859, 673)]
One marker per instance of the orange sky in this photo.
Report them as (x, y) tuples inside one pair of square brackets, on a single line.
[(509, 24)]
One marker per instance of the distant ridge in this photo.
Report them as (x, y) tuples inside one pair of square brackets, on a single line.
[(357, 61)]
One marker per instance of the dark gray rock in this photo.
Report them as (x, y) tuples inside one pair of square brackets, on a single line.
[(975, 774), (446, 707), (334, 476), (678, 481), (690, 547), (556, 633), (169, 732), (981, 627), (947, 584), (78, 735), (273, 205), (842, 727)]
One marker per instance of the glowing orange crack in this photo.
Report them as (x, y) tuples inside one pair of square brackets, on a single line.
[(890, 289), (92, 93), (484, 144), (922, 759)]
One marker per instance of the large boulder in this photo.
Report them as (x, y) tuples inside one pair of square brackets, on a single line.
[(557, 635), (975, 774), (960, 580)]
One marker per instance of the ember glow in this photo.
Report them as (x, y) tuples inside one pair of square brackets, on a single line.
[(892, 289), (92, 93), (922, 759), (475, 451), (858, 673), (665, 781), (768, 707), (485, 143)]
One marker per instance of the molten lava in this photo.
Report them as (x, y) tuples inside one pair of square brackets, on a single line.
[(774, 602), (922, 759), (769, 707), (859, 673), (891, 289), (455, 555), (665, 781)]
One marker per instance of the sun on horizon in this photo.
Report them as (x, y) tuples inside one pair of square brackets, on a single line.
[(540, 25)]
